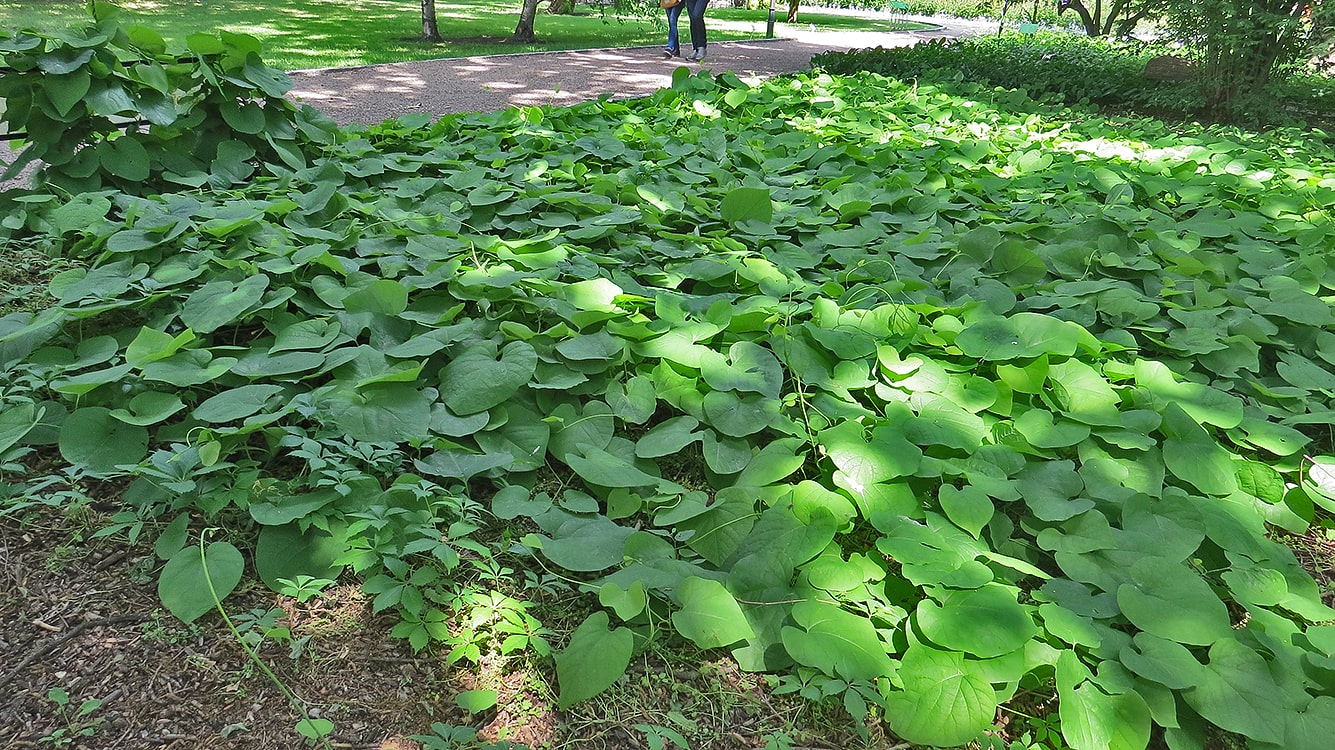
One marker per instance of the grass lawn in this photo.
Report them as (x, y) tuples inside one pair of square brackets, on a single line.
[(331, 33)]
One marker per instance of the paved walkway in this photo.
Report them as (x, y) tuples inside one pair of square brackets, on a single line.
[(374, 93)]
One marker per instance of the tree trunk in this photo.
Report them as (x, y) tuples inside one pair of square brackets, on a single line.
[(792, 10), (561, 7), (1090, 22), (524, 31), (429, 30)]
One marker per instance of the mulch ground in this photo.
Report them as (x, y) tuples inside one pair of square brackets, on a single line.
[(84, 617)]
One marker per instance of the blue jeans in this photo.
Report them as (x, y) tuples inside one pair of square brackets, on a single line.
[(695, 10), (673, 13)]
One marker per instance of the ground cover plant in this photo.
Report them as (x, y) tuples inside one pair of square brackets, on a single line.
[(1079, 70), (301, 34), (923, 400)]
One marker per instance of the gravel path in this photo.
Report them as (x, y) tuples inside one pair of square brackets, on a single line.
[(373, 93)]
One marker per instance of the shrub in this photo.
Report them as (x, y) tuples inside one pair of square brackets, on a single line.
[(1079, 70), (1073, 68)]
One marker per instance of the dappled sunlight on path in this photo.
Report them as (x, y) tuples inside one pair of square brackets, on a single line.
[(375, 93)]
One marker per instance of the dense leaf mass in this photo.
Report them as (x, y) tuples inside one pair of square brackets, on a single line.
[(937, 396)]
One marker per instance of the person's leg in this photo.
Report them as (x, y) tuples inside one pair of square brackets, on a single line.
[(695, 9), (673, 41)]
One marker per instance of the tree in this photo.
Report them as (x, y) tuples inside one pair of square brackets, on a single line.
[(430, 31), (1241, 45), (1119, 15), (524, 30)]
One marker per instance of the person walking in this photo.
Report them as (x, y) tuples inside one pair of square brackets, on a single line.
[(673, 13), (695, 11)]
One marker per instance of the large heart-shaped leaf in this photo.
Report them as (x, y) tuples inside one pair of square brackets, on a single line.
[(477, 380), (187, 591), (593, 660), (943, 703)]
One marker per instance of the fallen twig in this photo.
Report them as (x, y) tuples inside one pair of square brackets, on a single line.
[(62, 640)]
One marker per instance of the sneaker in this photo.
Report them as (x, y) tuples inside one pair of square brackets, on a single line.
[(699, 55), (671, 53)]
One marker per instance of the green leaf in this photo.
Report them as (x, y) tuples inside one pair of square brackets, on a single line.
[(943, 702), (587, 543), (739, 416), (477, 380), (747, 204), (985, 622), (290, 508), (749, 367), (66, 89), (724, 455), (1319, 481), (1204, 404), (837, 642), (247, 117), (668, 437), (1311, 728), (627, 603), (95, 441), (1041, 430), (1192, 456), (149, 407), (1170, 600), (709, 616), (476, 701), (15, 422), (1166, 662), (151, 345), (219, 303), (387, 413), (1237, 692), (597, 347), (382, 296), (598, 467), (514, 500), (314, 729), (593, 660), (862, 463), (287, 552), (236, 404), (969, 508), (1094, 720), (774, 463), (184, 587), (458, 464), (634, 402), (718, 533), (1021, 336), (172, 538), (573, 429)]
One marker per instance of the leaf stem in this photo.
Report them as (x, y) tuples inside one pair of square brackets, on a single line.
[(292, 698)]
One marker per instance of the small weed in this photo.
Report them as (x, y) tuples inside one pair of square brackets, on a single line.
[(168, 630), (304, 588), (450, 737), (78, 720), (61, 557)]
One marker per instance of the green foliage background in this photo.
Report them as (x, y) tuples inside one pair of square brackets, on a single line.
[(924, 396)]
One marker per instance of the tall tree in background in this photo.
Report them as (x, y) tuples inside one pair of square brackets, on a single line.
[(524, 31), (1241, 45), (430, 32)]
